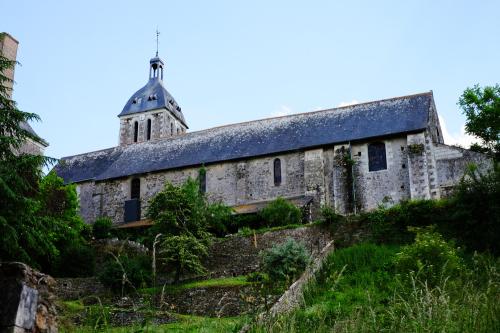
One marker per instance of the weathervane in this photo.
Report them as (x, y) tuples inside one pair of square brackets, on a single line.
[(157, 35)]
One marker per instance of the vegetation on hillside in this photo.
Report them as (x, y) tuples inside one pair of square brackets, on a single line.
[(359, 290), (38, 214)]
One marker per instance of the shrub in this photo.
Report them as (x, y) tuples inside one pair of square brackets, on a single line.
[(329, 216), (76, 261), (430, 258), (183, 253), (281, 212), (390, 225), (126, 273), (102, 228), (476, 212), (286, 261), (219, 218)]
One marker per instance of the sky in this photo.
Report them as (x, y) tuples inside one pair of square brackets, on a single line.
[(234, 61)]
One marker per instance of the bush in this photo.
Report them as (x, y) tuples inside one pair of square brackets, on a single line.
[(390, 225), (101, 228), (126, 273), (476, 212), (286, 261), (329, 216), (76, 261), (430, 258), (219, 218), (281, 212)]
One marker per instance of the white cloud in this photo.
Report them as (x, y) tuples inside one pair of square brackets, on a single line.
[(282, 111), (461, 138), (354, 101)]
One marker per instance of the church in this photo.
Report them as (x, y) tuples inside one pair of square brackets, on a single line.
[(353, 158)]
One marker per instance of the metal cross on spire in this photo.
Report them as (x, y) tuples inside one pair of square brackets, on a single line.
[(157, 37)]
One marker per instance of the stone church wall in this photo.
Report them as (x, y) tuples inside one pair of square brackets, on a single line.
[(234, 183), (417, 168), (452, 163)]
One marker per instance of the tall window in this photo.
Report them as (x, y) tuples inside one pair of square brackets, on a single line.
[(171, 129), (136, 130), (135, 189), (148, 133), (376, 156), (277, 172), (203, 181)]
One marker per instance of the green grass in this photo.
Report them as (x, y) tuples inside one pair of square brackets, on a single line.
[(184, 324), (210, 283), (358, 291)]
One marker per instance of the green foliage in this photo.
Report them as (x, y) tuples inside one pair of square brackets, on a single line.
[(475, 210), (329, 216), (123, 273), (429, 259), (38, 215), (219, 217), (250, 221), (481, 106), (285, 262), (76, 260), (357, 291), (280, 212), (390, 225), (101, 228), (178, 210), (184, 253)]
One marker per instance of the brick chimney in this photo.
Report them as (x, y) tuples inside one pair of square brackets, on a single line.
[(8, 48)]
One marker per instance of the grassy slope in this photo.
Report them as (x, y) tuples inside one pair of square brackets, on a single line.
[(357, 291)]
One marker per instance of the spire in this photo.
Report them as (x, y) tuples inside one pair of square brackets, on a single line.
[(157, 37), (156, 64)]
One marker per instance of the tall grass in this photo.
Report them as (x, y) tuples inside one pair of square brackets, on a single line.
[(358, 291)]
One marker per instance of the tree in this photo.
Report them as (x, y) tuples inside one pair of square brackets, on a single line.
[(481, 106), (184, 253), (181, 215), (38, 216)]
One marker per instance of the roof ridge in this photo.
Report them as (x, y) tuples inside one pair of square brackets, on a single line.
[(313, 112), (90, 152)]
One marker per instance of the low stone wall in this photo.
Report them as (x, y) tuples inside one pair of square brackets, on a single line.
[(27, 301), (212, 301), (237, 255), (75, 288)]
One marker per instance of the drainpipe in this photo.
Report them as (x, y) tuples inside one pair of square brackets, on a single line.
[(353, 180)]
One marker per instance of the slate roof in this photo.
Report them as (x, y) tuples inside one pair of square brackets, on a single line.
[(153, 96), (256, 138)]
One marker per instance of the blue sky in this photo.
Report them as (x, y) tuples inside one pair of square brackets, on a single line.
[(233, 61)]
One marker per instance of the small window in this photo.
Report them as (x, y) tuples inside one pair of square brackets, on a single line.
[(203, 182), (171, 128), (178, 130), (277, 172), (437, 133), (136, 131), (376, 156), (148, 133), (135, 189)]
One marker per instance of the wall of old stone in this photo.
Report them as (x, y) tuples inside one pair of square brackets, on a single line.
[(452, 163), (410, 174), (233, 183), (163, 125)]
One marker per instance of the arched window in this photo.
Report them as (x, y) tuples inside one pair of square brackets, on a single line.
[(135, 189), (277, 172), (202, 177), (148, 133), (376, 156), (136, 131)]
